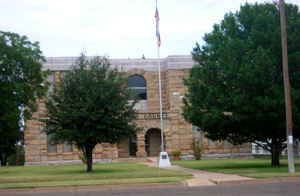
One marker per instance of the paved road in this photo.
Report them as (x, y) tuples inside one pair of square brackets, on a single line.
[(274, 189)]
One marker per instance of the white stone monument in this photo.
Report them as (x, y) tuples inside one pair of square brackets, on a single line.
[(163, 160)]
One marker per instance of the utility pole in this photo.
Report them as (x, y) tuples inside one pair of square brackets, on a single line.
[(288, 109)]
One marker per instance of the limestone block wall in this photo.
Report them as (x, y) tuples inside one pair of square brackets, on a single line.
[(182, 132), (32, 141), (123, 148), (176, 88), (35, 138), (179, 134), (152, 89)]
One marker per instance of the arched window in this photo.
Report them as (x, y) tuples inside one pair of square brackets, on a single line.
[(138, 86)]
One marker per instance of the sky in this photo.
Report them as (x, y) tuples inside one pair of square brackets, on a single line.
[(115, 28)]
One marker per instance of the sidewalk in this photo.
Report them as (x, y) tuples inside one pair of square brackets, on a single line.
[(203, 178)]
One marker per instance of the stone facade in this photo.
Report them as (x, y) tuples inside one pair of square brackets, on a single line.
[(178, 134)]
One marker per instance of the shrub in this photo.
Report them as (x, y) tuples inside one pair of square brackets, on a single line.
[(197, 150)]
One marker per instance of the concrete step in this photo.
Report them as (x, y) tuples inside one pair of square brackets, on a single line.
[(152, 159), (130, 159)]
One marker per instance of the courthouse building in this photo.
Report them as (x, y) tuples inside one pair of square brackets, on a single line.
[(142, 75)]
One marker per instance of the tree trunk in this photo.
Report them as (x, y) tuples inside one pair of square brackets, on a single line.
[(275, 153), (89, 158), (17, 155), (3, 160), (296, 148)]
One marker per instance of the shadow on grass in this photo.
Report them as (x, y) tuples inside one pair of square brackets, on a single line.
[(258, 168), (248, 166), (84, 172)]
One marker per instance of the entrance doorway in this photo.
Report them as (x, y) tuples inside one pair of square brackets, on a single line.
[(153, 142), (132, 146), (127, 147)]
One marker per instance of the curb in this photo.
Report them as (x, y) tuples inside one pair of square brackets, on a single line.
[(94, 188), (257, 181)]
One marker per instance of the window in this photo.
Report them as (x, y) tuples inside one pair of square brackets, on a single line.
[(138, 86), (67, 146), (211, 142), (62, 74), (197, 133), (227, 144), (51, 146), (50, 79)]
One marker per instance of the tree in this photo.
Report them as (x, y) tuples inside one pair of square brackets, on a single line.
[(235, 92), (10, 132), (20, 87), (91, 106)]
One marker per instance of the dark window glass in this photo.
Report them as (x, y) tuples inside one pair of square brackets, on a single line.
[(136, 81), (137, 85), (51, 146), (50, 79), (211, 142), (67, 146)]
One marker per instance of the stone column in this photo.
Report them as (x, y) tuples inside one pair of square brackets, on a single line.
[(110, 151), (141, 144), (32, 141)]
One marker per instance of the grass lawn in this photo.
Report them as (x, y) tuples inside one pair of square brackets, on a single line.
[(75, 175), (254, 168)]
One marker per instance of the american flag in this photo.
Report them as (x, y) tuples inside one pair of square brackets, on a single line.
[(157, 28)]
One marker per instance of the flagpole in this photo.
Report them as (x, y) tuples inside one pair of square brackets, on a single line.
[(160, 96), (163, 160), (160, 102)]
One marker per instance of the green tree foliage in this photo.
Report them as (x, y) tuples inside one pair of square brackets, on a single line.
[(20, 87), (91, 106), (235, 92)]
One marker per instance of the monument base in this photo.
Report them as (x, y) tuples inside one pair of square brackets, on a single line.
[(163, 160)]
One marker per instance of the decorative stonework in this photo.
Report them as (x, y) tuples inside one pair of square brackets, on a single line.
[(179, 135)]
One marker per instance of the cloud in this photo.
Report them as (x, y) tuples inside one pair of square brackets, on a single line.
[(120, 28)]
